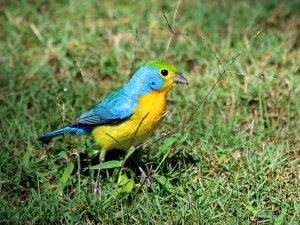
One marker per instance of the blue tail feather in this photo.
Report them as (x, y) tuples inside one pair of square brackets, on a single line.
[(78, 129)]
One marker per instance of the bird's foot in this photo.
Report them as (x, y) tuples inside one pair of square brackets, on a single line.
[(145, 178), (97, 187)]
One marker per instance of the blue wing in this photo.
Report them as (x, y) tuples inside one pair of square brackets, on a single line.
[(113, 109)]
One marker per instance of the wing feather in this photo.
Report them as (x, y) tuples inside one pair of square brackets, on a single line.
[(113, 109)]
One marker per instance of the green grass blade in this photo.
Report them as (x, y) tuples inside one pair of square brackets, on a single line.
[(107, 165)]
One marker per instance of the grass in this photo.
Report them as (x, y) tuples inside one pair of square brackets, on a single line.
[(236, 162)]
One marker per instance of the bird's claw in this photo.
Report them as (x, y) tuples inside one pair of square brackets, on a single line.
[(145, 179)]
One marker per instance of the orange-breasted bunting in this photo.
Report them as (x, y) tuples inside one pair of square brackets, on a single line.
[(129, 115)]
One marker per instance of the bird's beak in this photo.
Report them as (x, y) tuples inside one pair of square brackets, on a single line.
[(179, 79)]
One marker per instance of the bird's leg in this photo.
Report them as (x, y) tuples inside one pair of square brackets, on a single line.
[(144, 176), (97, 188)]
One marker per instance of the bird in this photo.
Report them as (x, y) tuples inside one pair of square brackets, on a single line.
[(130, 115)]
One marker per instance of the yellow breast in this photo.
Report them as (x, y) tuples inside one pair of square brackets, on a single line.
[(147, 116)]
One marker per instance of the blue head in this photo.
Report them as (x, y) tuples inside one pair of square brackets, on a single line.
[(154, 76)]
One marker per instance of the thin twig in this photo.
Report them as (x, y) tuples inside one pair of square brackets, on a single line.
[(136, 40), (169, 25), (81, 71), (213, 52), (155, 140), (220, 77), (135, 133), (165, 112), (171, 37), (171, 28), (137, 129), (252, 75), (116, 141)]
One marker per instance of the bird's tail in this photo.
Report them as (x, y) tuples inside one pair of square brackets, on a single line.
[(78, 129)]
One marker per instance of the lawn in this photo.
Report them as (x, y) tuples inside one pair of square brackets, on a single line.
[(228, 150)]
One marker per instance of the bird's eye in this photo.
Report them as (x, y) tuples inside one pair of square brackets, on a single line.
[(164, 72)]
